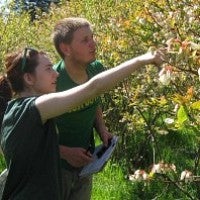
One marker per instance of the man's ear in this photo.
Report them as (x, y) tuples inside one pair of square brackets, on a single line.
[(28, 79), (65, 49)]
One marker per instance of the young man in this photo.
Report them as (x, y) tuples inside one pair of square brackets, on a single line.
[(73, 40)]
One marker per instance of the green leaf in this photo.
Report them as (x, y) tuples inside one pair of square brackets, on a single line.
[(182, 115)]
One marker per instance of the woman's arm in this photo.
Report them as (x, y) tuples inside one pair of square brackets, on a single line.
[(55, 104)]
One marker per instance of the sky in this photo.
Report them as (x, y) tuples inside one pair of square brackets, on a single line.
[(3, 2)]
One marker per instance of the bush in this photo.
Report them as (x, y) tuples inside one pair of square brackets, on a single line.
[(156, 116)]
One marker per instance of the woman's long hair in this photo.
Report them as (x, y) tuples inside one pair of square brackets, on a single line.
[(16, 64)]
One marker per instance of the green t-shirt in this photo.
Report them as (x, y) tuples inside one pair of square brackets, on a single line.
[(76, 127), (31, 153)]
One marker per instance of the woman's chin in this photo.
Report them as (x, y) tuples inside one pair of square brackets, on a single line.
[(50, 91)]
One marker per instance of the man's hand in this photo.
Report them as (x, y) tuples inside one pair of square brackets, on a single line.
[(105, 136), (77, 157)]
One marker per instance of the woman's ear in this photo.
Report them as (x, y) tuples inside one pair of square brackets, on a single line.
[(29, 79), (65, 49)]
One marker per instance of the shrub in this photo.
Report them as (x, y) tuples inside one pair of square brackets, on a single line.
[(156, 116)]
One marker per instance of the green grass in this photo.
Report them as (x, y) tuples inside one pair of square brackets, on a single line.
[(110, 184), (2, 163)]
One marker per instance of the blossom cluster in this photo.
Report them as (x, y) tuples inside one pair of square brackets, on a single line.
[(160, 168)]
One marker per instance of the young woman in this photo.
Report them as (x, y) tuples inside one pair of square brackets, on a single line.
[(28, 134)]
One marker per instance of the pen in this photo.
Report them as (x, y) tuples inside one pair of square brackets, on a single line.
[(88, 150)]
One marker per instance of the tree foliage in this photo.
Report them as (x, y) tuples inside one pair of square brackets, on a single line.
[(156, 111)]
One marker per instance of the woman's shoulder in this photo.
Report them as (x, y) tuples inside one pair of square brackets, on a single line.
[(20, 105), (20, 102), (21, 109)]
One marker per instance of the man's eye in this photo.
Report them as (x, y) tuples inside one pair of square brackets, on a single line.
[(49, 68), (85, 40)]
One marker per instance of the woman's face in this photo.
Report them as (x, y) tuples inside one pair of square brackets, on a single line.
[(44, 78)]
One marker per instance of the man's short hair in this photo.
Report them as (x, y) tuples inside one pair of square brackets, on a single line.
[(64, 30)]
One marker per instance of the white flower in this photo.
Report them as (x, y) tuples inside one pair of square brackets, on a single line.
[(176, 107), (139, 175), (162, 132), (131, 177), (186, 175), (199, 73), (163, 168), (169, 121), (157, 168), (141, 21), (194, 46), (165, 76), (145, 176)]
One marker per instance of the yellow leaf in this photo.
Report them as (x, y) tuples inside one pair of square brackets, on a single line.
[(196, 105)]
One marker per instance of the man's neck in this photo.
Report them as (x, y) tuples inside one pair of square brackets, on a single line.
[(77, 72)]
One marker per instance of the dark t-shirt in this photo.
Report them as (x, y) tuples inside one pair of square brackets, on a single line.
[(31, 153)]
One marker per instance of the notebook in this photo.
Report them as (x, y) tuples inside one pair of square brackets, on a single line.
[(100, 157)]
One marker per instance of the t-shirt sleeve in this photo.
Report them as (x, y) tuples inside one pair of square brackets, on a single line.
[(21, 138), (20, 129)]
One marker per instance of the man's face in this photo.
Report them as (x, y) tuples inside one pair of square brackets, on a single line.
[(83, 47)]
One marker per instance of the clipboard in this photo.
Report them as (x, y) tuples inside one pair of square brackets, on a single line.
[(100, 157)]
